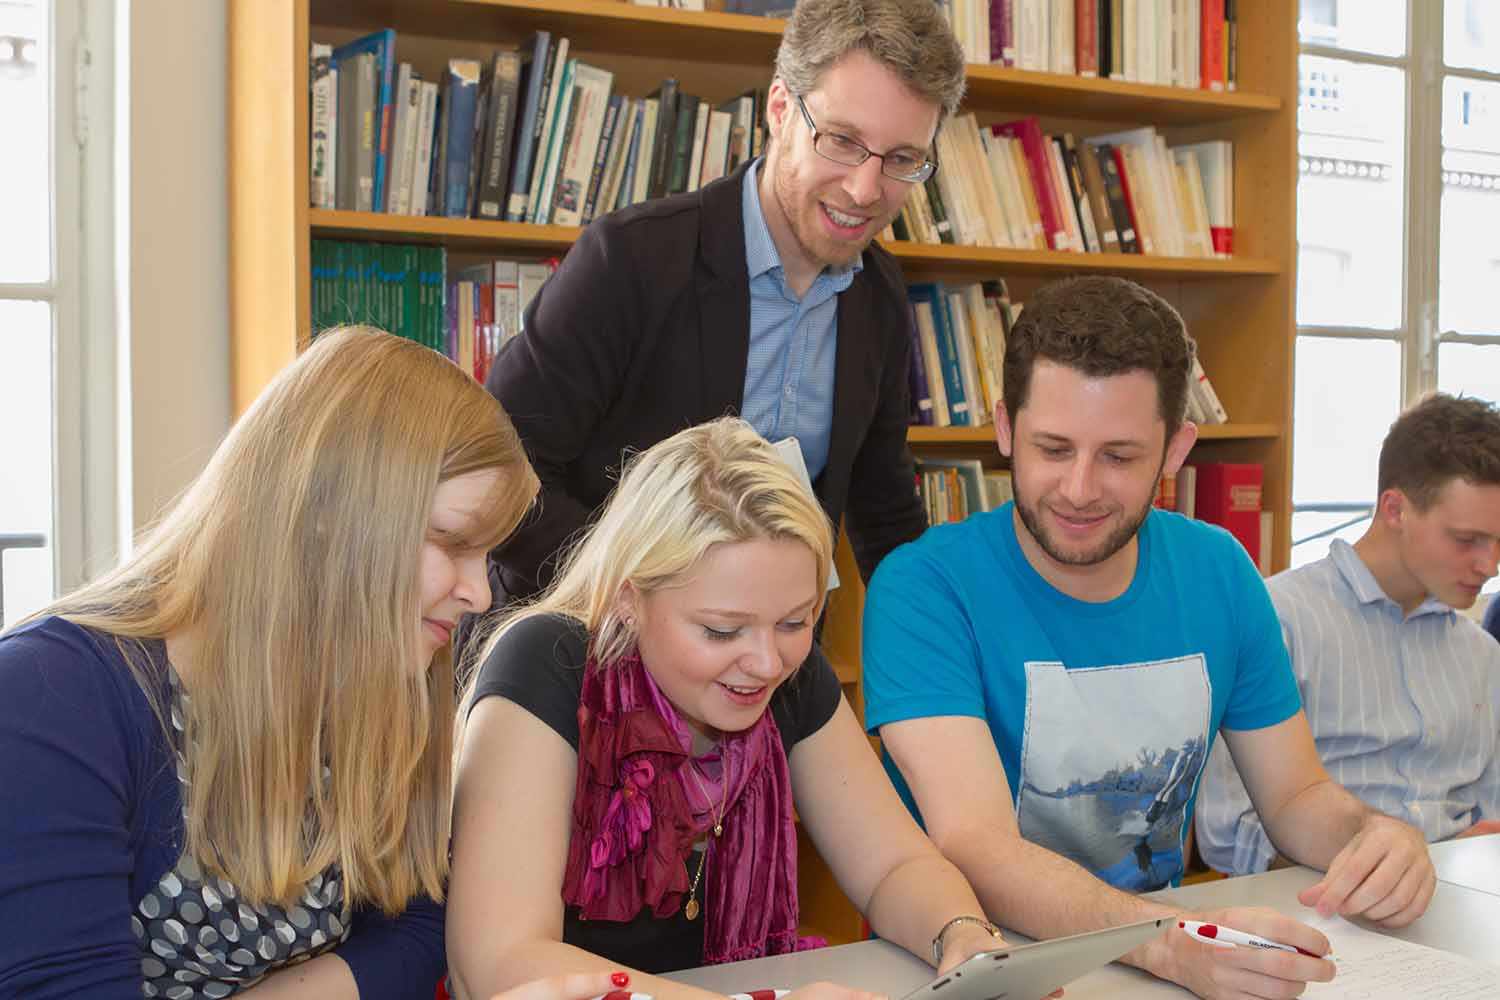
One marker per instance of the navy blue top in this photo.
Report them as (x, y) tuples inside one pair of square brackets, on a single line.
[(91, 818)]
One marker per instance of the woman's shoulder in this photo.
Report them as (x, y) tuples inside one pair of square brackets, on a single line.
[(54, 661), (556, 640)]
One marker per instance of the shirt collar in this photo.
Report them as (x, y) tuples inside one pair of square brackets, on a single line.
[(1366, 588), (761, 255)]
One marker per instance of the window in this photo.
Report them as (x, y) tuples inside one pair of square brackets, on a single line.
[(56, 392), (1398, 211), (27, 314)]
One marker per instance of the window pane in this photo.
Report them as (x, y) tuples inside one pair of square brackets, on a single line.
[(1470, 370), (1471, 34), (25, 163), (1469, 257), (1377, 26), (26, 442), (1350, 229), (1347, 394)]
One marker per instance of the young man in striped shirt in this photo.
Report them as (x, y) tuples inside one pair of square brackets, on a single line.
[(1402, 692)]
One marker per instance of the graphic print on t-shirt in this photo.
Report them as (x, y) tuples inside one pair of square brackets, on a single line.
[(1109, 761)]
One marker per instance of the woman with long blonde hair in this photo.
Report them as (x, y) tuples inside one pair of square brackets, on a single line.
[(665, 691), (227, 762)]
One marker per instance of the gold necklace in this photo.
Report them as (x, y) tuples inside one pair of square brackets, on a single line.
[(691, 909)]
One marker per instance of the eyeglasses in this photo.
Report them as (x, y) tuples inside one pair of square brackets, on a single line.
[(898, 166)]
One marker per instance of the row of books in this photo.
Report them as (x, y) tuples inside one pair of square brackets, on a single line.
[(1227, 494), (1224, 493), (1011, 185), (486, 303), (1172, 43), (953, 488), (468, 313), (533, 135), (390, 286), (958, 354)]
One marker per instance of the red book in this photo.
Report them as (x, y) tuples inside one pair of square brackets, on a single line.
[(1229, 495), (1211, 61), (1086, 37), (1002, 33), (1034, 145)]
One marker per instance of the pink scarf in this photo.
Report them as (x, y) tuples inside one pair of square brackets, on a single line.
[(633, 820)]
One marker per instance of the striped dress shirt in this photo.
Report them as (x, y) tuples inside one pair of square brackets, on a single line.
[(793, 342), (1405, 710)]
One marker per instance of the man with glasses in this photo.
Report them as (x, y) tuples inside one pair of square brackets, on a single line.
[(759, 294)]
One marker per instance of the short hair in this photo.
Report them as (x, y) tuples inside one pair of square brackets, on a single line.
[(1102, 326), (1437, 440), (911, 38)]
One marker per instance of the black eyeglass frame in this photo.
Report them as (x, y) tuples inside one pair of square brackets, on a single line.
[(925, 172)]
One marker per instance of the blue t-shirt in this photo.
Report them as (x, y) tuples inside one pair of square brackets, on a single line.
[(1103, 713), (91, 818)]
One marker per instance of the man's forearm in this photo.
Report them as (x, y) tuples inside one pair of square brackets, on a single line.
[(1315, 824), (1030, 889)]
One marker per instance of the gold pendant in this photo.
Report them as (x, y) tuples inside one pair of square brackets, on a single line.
[(718, 829), (691, 909)]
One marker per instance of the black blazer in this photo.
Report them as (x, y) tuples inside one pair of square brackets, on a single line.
[(645, 330)]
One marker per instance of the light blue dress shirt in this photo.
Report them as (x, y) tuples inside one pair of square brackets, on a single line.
[(793, 342), (1405, 710)]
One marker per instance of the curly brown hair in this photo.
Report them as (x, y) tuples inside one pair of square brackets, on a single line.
[(911, 38), (1102, 326), (1437, 440)]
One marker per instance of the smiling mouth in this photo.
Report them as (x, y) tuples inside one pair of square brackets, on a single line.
[(443, 630), (844, 219)]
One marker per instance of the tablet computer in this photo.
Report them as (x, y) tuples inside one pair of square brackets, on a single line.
[(1032, 971)]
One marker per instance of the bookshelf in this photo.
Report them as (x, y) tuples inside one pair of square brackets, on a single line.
[(1241, 310)]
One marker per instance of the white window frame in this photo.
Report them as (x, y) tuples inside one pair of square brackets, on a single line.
[(1418, 335), (81, 290)]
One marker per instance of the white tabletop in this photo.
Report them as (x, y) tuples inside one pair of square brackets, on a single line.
[(1473, 862), (1461, 919)]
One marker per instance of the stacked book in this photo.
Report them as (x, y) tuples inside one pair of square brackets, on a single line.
[(1171, 43), (1011, 185), (530, 135), (958, 350)]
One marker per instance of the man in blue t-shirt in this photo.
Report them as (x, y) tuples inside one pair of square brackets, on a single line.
[(1048, 678)]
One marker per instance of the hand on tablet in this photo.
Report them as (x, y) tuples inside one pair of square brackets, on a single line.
[(1217, 972), (1384, 874), (963, 942)]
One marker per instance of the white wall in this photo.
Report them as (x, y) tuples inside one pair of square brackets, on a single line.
[(178, 245)]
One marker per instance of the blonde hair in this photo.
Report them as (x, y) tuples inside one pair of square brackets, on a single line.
[(710, 484), (293, 561)]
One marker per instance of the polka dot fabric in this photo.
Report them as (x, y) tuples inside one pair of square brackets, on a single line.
[(199, 939)]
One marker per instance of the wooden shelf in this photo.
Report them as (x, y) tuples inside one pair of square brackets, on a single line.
[(1110, 100), (985, 435), (944, 259), (951, 260)]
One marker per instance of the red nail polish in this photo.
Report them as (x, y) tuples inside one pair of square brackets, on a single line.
[(620, 979)]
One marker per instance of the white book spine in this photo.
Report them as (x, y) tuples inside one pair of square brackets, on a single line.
[(324, 123), (700, 136), (716, 146), (408, 110), (591, 87), (422, 167), (540, 155), (1061, 31)]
